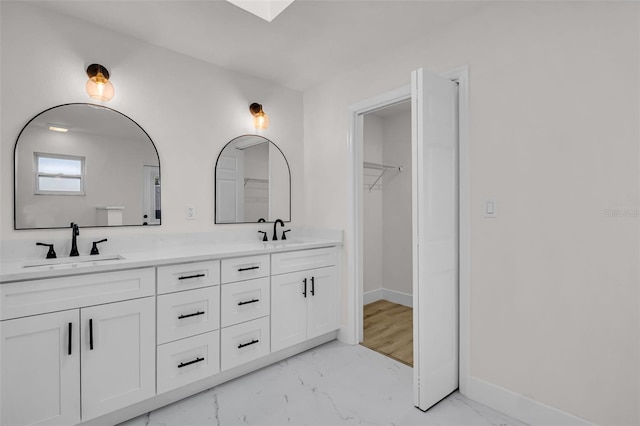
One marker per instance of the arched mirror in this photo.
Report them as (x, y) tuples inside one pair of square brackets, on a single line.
[(252, 182), (87, 164)]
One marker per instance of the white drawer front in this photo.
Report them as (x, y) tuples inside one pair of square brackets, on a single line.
[(244, 342), (245, 268), (188, 313), (301, 260), (188, 360), (56, 294), (188, 276), (244, 301)]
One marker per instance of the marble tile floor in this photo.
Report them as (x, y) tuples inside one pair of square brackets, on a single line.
[(333, 384)]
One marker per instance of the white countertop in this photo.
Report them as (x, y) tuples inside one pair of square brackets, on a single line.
[(15, 270)]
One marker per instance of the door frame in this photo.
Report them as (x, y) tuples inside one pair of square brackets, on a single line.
[(352, 333)]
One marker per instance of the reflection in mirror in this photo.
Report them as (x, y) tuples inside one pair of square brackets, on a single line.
[(253, 182), (86, 164)]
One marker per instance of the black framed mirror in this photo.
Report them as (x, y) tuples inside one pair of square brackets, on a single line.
[(87, 164), (252, 182)]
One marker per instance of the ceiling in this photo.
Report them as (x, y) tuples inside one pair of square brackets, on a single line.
[(309, 42)]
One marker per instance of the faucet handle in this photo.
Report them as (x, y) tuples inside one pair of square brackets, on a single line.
[(284, 234), (51, 254), (94, 249), (264, 235)]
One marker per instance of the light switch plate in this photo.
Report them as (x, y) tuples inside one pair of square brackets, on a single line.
[(490, 208)]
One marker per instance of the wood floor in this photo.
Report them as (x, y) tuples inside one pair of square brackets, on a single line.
[(388, 329)]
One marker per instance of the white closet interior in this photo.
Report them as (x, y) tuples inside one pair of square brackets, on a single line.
[(387, 205)]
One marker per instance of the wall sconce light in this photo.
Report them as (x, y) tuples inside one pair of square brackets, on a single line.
[(260, 119), (98, 86)]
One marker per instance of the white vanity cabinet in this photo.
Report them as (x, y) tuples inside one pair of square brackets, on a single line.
[(74, 365), (188, 323), (97, 347), (41, 369), (304, 296), (245, 335), (117, 355)]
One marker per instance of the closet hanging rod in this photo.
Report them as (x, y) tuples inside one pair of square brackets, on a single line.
[(247, 180), (378, 166)]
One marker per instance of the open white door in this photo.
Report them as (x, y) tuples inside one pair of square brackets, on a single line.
[(434, 124), (230, 186)]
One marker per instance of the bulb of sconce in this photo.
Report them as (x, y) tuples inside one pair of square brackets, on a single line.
[(261, 121), (98, 87)]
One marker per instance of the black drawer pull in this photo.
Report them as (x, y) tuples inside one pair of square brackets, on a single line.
[(184, 364), (91, 334), (188, 277), (248, 301), (69, 350), (313, 287), (304, 293), (248, 268), (191, 315), (253, 342)]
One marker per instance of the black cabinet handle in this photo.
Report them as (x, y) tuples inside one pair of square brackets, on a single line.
[(191, 315), (253, 342), (313, 287), (69, 349), (188, 277), (248, 269), (248, 301), (91, 334), (304, 293), (184, 364)]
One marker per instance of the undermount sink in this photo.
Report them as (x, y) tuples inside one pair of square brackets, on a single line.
[(72, 262), (281, 243)]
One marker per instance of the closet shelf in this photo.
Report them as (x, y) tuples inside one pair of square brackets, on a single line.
[(382, 167), (378, 166)]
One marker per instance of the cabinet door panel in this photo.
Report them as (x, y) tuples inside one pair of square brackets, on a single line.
[(40, 379), (120, 369), (322, 305), (288, 310)]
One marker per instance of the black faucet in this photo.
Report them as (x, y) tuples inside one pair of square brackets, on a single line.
[(275, 226), (51, 254), (75, 231)]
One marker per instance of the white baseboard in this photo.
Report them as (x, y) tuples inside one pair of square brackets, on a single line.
[(519, 406), (371, 296), (390, 295)]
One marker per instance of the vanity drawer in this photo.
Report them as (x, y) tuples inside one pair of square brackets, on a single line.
[(302, 260), (188, 360), (244, 301), (245, 268), (187, 276), (188, 313), (244, 342), (57, 294)]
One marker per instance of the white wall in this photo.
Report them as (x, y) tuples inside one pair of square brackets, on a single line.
[(554, 137), (372, 206), (397, 273), (189, 108)]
